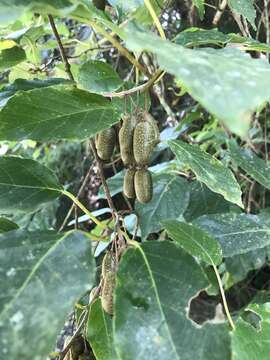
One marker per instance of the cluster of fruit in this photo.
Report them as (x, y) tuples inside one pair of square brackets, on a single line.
[(138, 137)]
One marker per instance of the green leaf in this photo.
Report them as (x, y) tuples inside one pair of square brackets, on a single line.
[(249, 343), (7, 225), (11, 10), (42, 275), (21, 84), (196, 37), (245, 8), (254, 166), (98, 77), (11, 57), (200, 6), (208, 170), (204, 201), (239, 266), (213, 77), (55, 112), (195, 241), (170, 200), (150, 320), (25, 184), (100, 333), (236, 233)]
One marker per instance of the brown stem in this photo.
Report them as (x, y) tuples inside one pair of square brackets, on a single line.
[(102, 177), (61, 48)]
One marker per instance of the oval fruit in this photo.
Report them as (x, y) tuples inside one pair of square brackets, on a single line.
[(105, 142), (146, 137), (126, 139), (128, 187), (143, 186), (108, 263), (107, 292)]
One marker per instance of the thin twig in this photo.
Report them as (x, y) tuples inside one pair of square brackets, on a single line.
[(219, 12), (102, 177), (85, 180), (61, 48)]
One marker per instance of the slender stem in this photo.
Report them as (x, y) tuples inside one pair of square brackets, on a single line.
[(155, 18), (141, 88), (86, 178), (102, 177), (119, 47), (83, 208), (225, 304), (61, 48)]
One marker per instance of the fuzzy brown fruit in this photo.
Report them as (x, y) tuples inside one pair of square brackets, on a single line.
[(143, 186), (108, 263), (105, 143), (128, 187), (145, 138), (107, 292), (126, 139)]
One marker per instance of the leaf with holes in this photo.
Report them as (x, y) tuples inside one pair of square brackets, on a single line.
[(249, 342), (42, 275), (151, 307)]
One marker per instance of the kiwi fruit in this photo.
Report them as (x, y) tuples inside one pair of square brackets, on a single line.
[(105, 143), (126, 139), (146, 137), (108, 263), (107, 292), (143, 185), (128, 187)]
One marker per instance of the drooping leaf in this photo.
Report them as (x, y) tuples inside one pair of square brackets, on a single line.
[(42, 275), (197, 36), (11, 57), (239, 266), (254, 166), (195, 241), (236, 233), (7, 225), (25, 184), (21, 84), (249, 343), (170, 200), (213, 77), (204, 201), (151, 307), (245, 8), (98, 77), (11, 10), (208, 170), (100, 332), (55, 112), (200, 6)]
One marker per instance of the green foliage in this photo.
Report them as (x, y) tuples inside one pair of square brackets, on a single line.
[(34, 267), (70, 70)]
